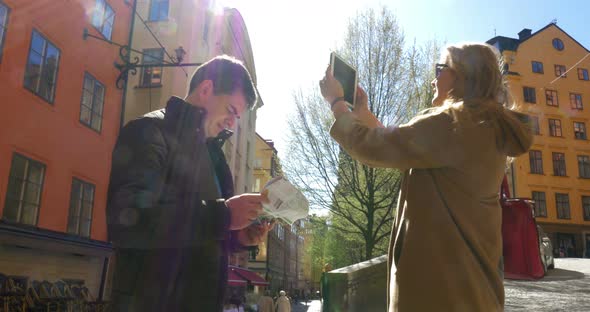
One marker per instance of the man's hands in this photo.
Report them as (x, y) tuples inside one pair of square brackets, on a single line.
[(255, 233), (244, 209)]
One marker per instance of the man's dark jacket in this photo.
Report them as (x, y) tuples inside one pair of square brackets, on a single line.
[(165, 215)]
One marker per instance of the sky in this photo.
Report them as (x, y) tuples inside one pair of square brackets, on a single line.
[(292, 40)]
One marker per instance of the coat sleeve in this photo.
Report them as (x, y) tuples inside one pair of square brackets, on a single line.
[(136, 180), (425, 142)]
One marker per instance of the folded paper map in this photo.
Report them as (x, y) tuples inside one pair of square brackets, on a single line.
[(286, 201)]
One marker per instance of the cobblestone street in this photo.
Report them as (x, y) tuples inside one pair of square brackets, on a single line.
[(565, 288)]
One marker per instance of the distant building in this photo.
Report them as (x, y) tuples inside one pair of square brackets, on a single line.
[(548, 74), (60, 119)]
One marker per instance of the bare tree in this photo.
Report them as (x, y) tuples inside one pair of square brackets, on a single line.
[(361, 199)]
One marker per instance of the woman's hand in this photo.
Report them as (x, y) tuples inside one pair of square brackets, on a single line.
[(361, 101), (331, 88)]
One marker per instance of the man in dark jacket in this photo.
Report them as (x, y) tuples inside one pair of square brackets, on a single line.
[(167, 218)]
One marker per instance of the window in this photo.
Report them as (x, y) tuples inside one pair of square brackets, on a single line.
[(159, 10), (535, 125), (23, 195), (92, 103), (582, 72), (559, 164), (576, 101), (537, 67), (152, 76), (558, 44), (3, 22), (529, 95), (562, 201), (555, 127), (551, 97), (540, 204), (81, 202), (536, 161), (252, 253), (579, 130), (42, 64), (584, 166), (560, 71), (103, 18), (586, 207), (281, 232)]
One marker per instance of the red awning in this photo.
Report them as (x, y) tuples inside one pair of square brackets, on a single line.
[(251, 276), (234, 279)]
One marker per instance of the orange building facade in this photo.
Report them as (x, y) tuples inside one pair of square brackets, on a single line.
[(548, 74), (61, 116)]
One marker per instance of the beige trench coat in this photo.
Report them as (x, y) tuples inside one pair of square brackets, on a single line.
[(446, 244)]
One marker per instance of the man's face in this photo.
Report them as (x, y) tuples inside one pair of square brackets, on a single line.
[(222, 110)]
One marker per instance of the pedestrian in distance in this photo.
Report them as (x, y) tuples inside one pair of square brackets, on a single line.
[(445, 252), (265, 302), (171, 214), (283, 303)]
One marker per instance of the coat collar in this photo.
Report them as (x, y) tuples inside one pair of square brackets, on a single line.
[(177, 110)]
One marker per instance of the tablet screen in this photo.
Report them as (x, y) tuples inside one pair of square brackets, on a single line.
[(346, 75)]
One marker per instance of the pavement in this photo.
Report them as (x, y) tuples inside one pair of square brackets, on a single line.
[(309, 306), (565, 288)]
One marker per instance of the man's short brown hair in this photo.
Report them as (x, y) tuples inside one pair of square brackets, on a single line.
[(228, 75)]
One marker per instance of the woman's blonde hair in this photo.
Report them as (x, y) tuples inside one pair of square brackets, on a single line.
[(479, 95), (477, 68)]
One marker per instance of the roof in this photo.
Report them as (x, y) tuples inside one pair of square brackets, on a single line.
[(511, 44)]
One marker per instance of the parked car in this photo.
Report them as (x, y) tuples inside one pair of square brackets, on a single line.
[(546, 249)]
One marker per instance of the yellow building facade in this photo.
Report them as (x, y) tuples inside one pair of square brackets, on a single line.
[(547, 73)]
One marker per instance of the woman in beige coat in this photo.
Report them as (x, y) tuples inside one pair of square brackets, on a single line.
[(445, 251)]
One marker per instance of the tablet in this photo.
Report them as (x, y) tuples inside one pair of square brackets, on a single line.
[(347, 75)]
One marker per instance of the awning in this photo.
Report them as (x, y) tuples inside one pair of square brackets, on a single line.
[(234, 279), (248, 275)]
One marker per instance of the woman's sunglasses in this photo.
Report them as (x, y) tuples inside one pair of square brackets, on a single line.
[(438, 69)]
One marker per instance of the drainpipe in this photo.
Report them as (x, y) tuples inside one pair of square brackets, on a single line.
[(123, 101)]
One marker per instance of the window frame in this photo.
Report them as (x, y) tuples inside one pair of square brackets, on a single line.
[(539, 67), (36, 89), (536, 126), (4, 27), (24, 184), (558, 44), (561, 214), (559, 167), (580, 135), (583, 74), (530, 91), (554, 97), (560, 70), (536, 162), (555, 128), (144, 71), (583, 166), (91, 109), (586, 207), (103, 19), (576, 101), (538, 200), (80, 200), (159, 4)]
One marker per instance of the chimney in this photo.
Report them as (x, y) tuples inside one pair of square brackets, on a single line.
[(523, 34)]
